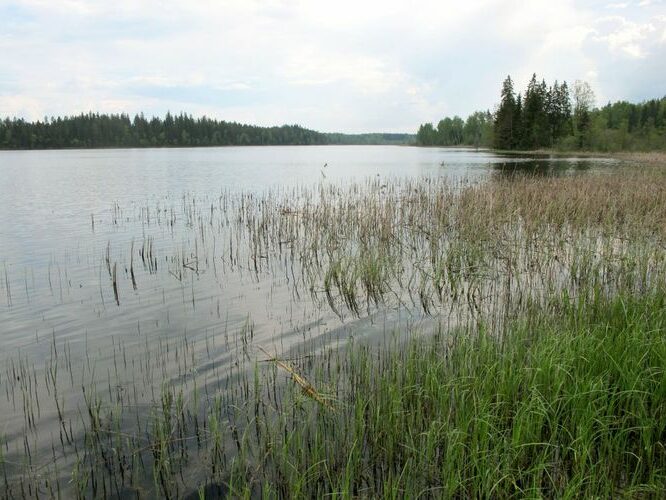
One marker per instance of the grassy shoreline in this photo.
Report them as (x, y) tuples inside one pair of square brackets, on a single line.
[(564, 405), (552, 393), (541, 371)]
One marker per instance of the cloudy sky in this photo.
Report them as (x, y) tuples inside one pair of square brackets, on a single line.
[(352, 66)]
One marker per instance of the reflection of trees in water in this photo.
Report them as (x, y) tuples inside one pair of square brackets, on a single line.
[(580, 165), (544, 167)]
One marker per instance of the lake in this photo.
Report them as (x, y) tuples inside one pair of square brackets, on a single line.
[(123, 271)]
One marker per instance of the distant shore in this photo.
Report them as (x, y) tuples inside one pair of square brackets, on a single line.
[(646, 157), (653, 158)]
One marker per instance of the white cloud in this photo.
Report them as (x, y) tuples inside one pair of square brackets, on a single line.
[(629, 38), (344, 65)]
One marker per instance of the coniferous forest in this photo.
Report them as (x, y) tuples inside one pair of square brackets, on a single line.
[(94, 130), (544, 117), (554, 117)]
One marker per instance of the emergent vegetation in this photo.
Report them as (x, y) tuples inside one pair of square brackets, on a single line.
[(568, 405), (533, 365)]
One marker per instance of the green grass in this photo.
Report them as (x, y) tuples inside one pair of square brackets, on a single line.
[(545, 377), (572, 405)]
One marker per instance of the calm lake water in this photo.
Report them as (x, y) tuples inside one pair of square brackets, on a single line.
[(48, 197), (161, 222), (61, 212)]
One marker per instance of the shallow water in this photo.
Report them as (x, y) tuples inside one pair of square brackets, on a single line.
[(188, 293), (62, 211)]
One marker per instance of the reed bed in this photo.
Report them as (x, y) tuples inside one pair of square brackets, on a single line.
[(571, 405), (532, 363)]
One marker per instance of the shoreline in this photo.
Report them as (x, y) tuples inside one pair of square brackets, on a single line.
[(647, 157)]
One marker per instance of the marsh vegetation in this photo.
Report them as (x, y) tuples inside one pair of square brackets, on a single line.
[(426, 336)]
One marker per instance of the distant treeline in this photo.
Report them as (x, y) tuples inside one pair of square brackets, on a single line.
[(555, 117), (372, 138), (477, 130), (93, 130)]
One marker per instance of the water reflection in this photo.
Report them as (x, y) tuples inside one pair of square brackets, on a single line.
[(543, 165)]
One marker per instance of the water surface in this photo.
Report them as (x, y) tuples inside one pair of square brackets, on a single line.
[(187, 293)]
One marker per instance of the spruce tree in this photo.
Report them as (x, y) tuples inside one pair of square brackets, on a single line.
[(564, 104), (518, 123), (535, 126), (504, 118)]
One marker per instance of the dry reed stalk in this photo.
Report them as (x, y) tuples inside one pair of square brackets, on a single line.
[(307, 388), (115, 283)]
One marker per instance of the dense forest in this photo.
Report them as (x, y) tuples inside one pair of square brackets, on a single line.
[(557, 117), (371, 138), (477, 130), (95, 130)]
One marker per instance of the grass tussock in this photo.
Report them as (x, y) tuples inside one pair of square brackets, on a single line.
[(565, 406)]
